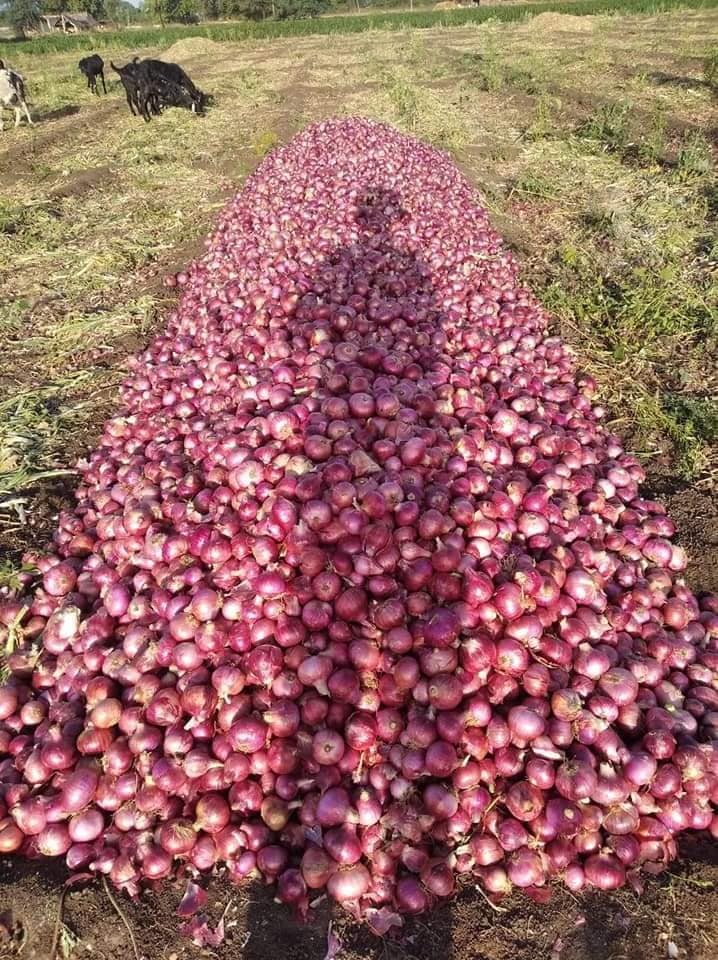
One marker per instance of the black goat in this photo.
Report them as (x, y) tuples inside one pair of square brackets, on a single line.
[(173, 74), (151, 85), (141, 99), (93, 67)]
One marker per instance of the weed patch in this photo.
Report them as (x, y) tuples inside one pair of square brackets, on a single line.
[(695, 158), (543, 124), (608, 127), (710, 69)]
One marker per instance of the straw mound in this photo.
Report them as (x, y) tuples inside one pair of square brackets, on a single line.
[(557, 23), (190, 47)]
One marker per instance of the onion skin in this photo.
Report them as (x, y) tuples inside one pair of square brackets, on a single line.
[(359, 594)]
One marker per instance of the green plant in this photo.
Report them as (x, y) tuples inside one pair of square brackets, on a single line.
[(652, 148), (68, 942), (627, 326), (527, 76), (15, 635), (608, 126), (695, 158), (532, 184), (486, 68), (542, 124), (264, 143), (700, 414), (250, 79), (710, 69), (405, 101)]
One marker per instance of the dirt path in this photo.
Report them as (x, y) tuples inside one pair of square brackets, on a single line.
[(679, 910)]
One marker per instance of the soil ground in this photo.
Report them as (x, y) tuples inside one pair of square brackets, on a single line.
[(592, 141)]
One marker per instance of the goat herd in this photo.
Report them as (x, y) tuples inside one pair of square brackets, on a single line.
[(150, 86)]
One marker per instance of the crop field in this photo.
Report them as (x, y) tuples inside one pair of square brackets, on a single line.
[(593, 142)]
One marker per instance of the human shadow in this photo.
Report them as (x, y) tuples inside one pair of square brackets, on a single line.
[(378, 294), (69, 110), (661, 79)]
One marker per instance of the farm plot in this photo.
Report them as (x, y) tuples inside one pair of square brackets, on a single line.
[(591, 142)]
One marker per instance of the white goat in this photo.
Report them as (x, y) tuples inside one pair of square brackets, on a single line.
[(12, 94)]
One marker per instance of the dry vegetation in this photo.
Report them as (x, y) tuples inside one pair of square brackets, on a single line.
[(592, 141)]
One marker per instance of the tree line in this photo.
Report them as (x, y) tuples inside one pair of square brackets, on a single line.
[(24, 15)]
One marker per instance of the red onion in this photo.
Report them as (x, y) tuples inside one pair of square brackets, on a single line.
[(605, 871), (11, 836), (576, 780), (291, 887), (156, 863), (411, 896), (334, 807), (177, 837), (524, 801), (525, 724), (30, 816), (317, 867), (86, 826), (359, 593), (54, 840), (439, 802), (342, 845), (327, 747), (349, 883), (525, 868), (212, 812), (486, 849)]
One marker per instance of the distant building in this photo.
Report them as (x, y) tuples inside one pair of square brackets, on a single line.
[(67, 23)]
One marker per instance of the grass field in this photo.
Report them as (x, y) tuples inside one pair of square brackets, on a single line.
[(593, 143), (360, 23)]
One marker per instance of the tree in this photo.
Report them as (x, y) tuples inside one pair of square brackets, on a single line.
[(158, 8), (184, 11), (295, 9), (177, 11), (212, 9), (255, 9), (23, 15), (96, 8), (120, 11)]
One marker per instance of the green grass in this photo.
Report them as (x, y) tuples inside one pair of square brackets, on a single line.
[(405, 100), (637, 311), (701, 413), (408, 104), (542, 124), (535, 185), (608, 126), (632, 327), (270, 29), (651, 147), (695, 158), (710, 69)]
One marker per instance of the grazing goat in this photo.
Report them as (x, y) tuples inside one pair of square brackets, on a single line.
[(93, 67), (12, 94), (151, 85), (173, 75)]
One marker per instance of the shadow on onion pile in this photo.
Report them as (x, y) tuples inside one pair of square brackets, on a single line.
[(414, 831)]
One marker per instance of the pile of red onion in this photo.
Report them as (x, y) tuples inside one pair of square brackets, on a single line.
[(358, 594)]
